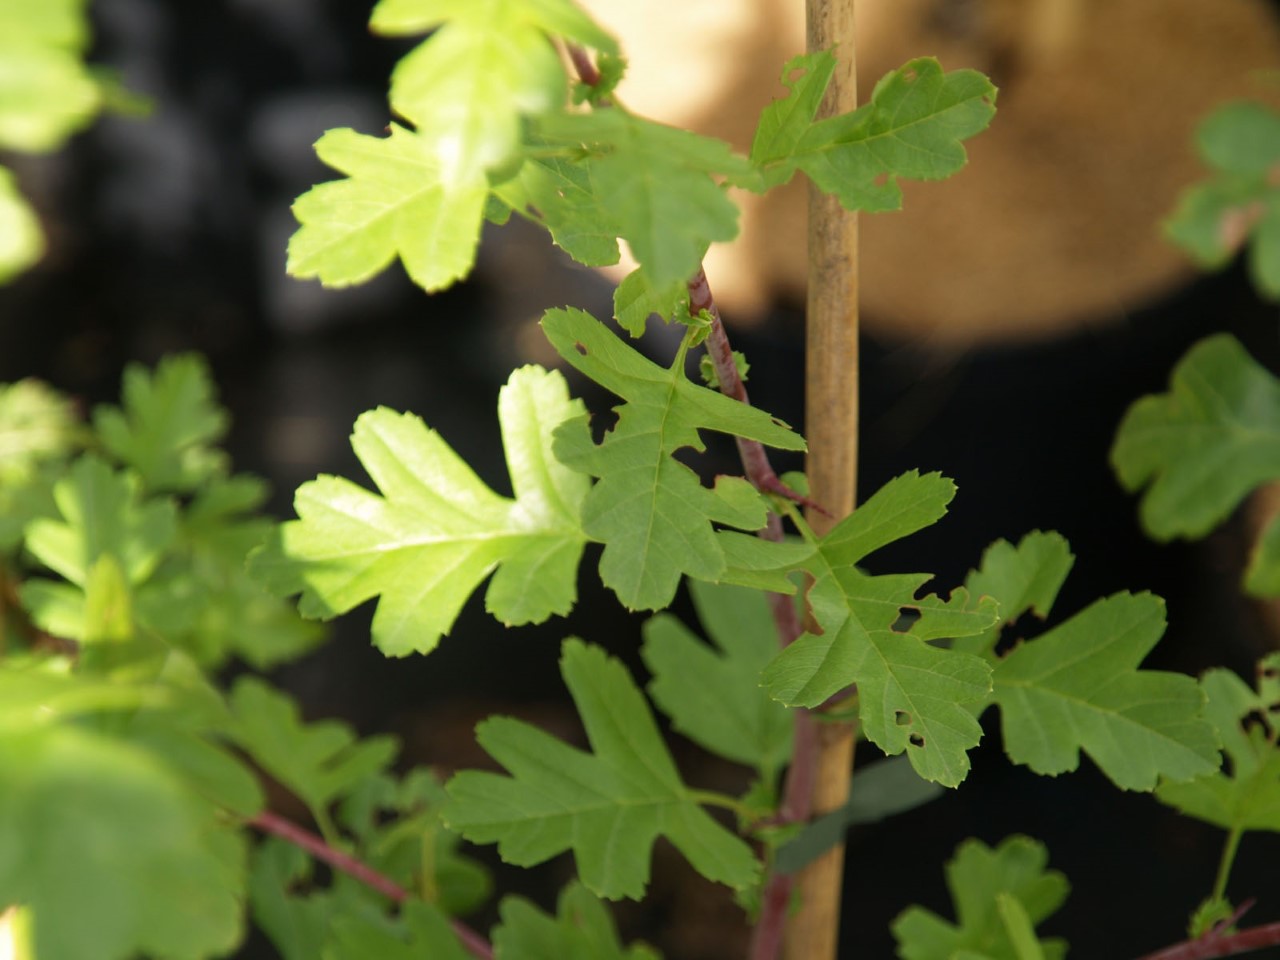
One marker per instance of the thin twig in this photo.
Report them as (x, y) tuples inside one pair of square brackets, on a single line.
[(1214, 944), (272, 823)]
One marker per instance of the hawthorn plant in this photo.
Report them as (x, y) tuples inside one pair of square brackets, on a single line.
[(133, 819)]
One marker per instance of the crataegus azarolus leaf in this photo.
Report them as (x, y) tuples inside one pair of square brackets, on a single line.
[(652, 512), (912, 695), (607, 806), (437, 531)]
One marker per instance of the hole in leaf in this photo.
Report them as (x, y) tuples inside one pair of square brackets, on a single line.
[(1269, 672), (910, 76), (794, 75), (917, 740), (902, 718), (1256, 718), (907, 617), (881, 179), (580, 347)]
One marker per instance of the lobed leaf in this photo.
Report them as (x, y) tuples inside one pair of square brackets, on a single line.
[(713, 693), (168, 420), (1078, 687), (581, 930), (422, 931), (913, 127), (999, 895), (911, 694), (1199, 449), (1245, 795), (607, 806), (394, 202), (653, 514), (437, 531)]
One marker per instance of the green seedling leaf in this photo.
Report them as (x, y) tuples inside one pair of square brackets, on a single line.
[(913, 128), (1246, 795), (999, 895), (651, 511), (485, 65), (437, 531), (1078, 687), (1199, 449), (1022, 579), (658, 185), (607, 806), (395, 202), (581, 930), (1240, 203), (46, 92), (22, 240), (167, 424), (97, 830), (883, 789), (319, 762), (911, 694), (713, 694)]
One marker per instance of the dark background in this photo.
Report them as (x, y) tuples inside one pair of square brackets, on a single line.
[(169, 233)]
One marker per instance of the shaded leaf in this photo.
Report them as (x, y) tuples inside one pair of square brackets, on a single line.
[(607, 806), (581, 930), (437, 531), (993, 890), (1022, 579), (652, 512)]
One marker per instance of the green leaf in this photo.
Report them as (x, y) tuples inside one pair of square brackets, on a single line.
[(911, 694), (1201, 448), (438, 531), (713, 694), (559, 193), (993, 890), (914, 127), (581, 930), (423, 932), (168, 422), (1078, 687), (658, 185), (636, 299), (1240, 202), (395, 202), (22, 240), (296, 925), (881, 790), (1022, 579), (1246, 794), (318, 762), (37, 424), (1262, 575), (651, 511), (96, 830), (46, 92), (607, 806)]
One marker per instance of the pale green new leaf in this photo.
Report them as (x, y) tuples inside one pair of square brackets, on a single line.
[(713, 694), (437, 531), (912, 695), (46, 92), (1240, 202), (487, 64), (98, 831), (999, 895), (37, 424), (913, 128), (1246, 795), (22, 240), (166, 425), (653, 514), (1022, 579), (318, 762), (1078, 687), (581, 930), (607, 806), (1199, 449), (394, 202)]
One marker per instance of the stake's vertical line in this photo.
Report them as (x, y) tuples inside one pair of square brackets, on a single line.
[(831, 427)]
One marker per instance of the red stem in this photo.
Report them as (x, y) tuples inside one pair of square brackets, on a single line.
[(268, 822), (1216, 943)]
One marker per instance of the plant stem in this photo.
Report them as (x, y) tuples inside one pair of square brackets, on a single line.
[(1213, 944), (831, 425), (268, 822), (1229, 848)]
